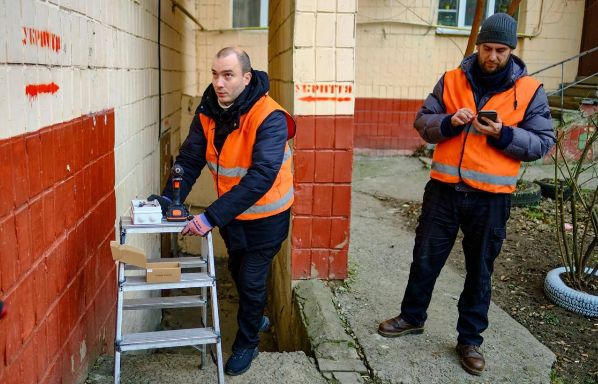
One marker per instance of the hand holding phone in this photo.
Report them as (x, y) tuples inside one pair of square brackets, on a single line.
[(490, 115)]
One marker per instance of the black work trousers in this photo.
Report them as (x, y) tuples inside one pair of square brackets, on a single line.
[(482, 218), (249, 269)]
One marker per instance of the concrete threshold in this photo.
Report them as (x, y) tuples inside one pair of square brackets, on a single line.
[(335, 351)]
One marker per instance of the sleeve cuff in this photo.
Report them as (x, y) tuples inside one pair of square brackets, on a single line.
[(447, 129), (208, 218), (506, 137)]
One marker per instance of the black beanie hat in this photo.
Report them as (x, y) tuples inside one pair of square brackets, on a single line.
[(499, 28)]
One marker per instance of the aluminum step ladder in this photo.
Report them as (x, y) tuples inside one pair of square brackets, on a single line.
[(205, 280)]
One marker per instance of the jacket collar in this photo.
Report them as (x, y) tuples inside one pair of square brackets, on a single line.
[(518, 70)]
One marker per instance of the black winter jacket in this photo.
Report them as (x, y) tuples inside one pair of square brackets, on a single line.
[(268, 152)]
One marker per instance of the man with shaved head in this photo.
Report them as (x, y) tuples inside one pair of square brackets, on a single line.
[(241, 134)]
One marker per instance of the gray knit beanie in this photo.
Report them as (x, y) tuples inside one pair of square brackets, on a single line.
[(499, 28)]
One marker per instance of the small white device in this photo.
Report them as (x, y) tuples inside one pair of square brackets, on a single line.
[(146, 212)]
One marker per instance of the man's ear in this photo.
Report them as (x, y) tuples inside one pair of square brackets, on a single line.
[(246, 78)]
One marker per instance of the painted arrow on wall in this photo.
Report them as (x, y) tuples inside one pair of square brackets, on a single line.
[(32, 90)]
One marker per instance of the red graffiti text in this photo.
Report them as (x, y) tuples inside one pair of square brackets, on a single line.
[(331, 89), (312, 92), (43, 39), (324, 98)]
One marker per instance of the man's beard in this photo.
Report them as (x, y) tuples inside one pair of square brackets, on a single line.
[(498, 67)]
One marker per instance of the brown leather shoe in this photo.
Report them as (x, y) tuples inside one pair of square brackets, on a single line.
[(471, 358), (398, 327)]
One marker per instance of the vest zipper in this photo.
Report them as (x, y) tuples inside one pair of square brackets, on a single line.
[(217, 173), (478, 108), (487, 96)]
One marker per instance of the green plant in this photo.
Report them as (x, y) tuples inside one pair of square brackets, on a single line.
[(534, 213), (551, 319), (577, 216), (554, 377)]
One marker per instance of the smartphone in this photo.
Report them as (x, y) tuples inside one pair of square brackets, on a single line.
[(491, 115)]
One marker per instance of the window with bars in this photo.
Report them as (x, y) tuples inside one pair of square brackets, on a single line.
[(250, 13), (460, 13)]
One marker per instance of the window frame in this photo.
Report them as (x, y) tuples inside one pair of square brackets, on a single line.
[(461, 28), (263, 15)]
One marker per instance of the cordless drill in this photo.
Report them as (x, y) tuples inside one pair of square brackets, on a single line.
[(176, 210)]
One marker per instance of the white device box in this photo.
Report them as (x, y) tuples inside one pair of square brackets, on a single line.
[(146, 212)]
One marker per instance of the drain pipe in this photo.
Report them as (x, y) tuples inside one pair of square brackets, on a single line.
[(159, 72)]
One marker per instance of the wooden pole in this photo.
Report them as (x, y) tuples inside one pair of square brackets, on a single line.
[(477, 19), (513, 7)]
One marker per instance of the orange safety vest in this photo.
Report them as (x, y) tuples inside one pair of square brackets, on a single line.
[(235, 158), (468, 157)]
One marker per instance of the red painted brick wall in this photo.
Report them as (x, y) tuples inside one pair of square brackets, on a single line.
[(57, 214), (323, 159), (386, 124)]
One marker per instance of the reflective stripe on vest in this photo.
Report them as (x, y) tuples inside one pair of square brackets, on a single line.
[(239, 171), (473, 175), (283, 201), (235, 159), (468, 157)]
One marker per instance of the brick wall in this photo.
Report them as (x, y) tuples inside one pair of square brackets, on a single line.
[(56, 274), (323, 158), (322, 91), (385, 126), (79, 138)]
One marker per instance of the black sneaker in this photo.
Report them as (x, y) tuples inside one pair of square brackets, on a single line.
[(240, 361)]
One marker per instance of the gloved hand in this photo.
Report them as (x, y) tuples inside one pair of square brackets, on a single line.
[(198, 226), (163, 200)]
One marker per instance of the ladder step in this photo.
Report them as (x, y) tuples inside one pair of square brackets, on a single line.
[(164, 302), (188, 280), (166, 339), (186, 262)]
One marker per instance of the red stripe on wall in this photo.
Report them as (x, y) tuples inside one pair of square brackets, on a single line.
[(323, 159), (386, 124), (57, 216)]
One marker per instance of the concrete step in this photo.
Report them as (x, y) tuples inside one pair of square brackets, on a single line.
[(591, 81), (569, 102), (581, 90)]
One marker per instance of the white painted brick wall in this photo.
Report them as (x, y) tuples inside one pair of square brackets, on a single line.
[(326, 59), (325, 29), (5, 127), (327, 5), (345, 29), (305, 5), (305, 29), (325, 64)]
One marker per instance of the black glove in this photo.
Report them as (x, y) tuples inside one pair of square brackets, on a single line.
[(163, 200)]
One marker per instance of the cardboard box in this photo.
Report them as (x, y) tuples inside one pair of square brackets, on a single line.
[(157, 272), (164, 272)]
